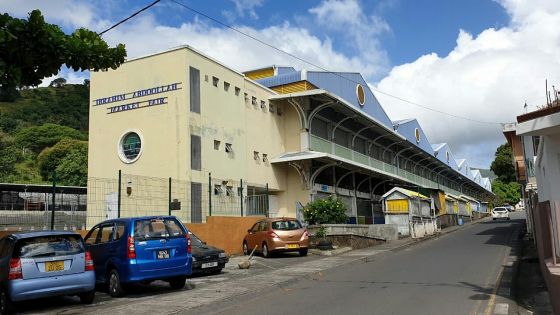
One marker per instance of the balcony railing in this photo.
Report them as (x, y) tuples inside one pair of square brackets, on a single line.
[(322, 145)]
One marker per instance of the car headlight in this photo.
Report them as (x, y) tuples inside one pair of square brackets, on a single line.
[(193, 259), (222, 255)]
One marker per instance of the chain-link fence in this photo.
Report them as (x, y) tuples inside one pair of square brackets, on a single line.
[(39, 206), (190, 201), (30, 206)]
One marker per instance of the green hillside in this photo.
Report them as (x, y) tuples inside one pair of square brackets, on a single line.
[(40, 131)]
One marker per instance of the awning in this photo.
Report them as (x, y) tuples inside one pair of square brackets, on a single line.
[(327, 157), (298, 156)]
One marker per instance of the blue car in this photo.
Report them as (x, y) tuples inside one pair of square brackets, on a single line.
[(142, 249), (44, 264)]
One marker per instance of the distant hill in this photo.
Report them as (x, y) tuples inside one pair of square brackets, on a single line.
[(37, 121), (66, 105)]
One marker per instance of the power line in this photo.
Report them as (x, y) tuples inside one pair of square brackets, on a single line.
[(326, 70), (130, 17)]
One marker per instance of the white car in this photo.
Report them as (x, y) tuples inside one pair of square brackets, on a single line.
[(500, 213)]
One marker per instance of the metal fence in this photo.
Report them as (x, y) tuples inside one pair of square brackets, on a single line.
[(131, 195), (32, 206)]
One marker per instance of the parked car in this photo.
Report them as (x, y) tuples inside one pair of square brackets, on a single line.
[(500, 213), (44, 264), (276, 235), (141, 249), (206, 258)]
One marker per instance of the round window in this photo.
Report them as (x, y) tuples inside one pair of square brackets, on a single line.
[(360, 94), (130, 147)]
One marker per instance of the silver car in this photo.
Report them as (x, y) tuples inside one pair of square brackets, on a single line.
[(44, 264)]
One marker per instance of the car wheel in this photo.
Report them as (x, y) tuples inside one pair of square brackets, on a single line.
[(115, 287), (177, 282), (265, 252), (493, 219), (245, 248), (87, 298), (6, 306), (303, 252)]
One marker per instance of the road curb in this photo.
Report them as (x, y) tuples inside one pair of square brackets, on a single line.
[(505, 302)]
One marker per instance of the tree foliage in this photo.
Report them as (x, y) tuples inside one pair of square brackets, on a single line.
[(9, 155), (502, 165), (50, 158), (58, 82), (73, 168), (32, 49), (66, 105), (38, 138), (325, 211), (509, 193)]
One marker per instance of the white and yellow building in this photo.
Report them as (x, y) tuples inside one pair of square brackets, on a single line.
[(305, 134)]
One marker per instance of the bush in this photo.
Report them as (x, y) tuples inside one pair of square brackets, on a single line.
[(325, 211), (50, 158)]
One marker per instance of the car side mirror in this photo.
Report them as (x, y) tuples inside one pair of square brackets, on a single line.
[(249, 231)]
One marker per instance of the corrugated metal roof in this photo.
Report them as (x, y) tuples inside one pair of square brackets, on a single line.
[(406, 192)]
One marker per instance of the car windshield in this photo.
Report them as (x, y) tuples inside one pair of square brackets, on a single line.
[(500, 210), (286, 225), (157, 228), (195, 241), (49, 246)]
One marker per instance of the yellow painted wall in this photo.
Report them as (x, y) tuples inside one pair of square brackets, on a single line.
[(165, 129), (397, 206), (260, 74), (441, 198), (294, 87)]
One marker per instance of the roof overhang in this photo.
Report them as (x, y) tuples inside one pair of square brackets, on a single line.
[(328, 96), (298, 156), (539, 126), (31, 188)]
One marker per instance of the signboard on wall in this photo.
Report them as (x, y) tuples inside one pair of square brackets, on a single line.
[(132, 99)]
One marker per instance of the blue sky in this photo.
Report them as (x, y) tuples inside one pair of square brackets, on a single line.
[(415, 27), (475, 59)]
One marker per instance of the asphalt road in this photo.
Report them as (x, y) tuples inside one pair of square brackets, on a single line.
[(454, 274)]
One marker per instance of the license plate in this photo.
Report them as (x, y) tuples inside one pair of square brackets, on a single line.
[(162, 254), (290, 246), (210, 264), (54, 266)]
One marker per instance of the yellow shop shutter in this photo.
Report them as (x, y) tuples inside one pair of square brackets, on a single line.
[(397, 205)]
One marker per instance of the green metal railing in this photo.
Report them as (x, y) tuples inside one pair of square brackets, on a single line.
[(325, 146)]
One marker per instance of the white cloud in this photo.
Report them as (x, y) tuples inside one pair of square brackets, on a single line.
[(360, 31), (68, 13), (486, 77), (242, 7), (233, 49)]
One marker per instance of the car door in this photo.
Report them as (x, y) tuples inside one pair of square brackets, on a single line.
[(251, 235), (99, 245), (261, 234), (5, 255)]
